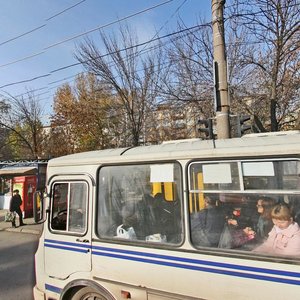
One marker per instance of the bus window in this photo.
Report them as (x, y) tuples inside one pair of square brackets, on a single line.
[(215, 176), (140, 203), (275, 175), (69, 207), (236, 208)]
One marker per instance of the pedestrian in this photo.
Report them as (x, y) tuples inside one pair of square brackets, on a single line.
[(15, 203)]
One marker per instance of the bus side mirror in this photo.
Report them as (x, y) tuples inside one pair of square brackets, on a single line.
[(38, 206)]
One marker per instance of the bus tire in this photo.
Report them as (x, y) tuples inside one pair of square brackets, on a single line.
[(87, 293)]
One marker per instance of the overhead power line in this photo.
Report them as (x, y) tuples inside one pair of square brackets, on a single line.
[(107, 54), (23, 81), (41, 26), (35, 90), (68, 8), (134, 46), (167, 21), (106, 25), (23, 34), (63, 79), (81, 34), (22, 59)]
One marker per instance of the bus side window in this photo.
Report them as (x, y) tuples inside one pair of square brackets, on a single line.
[(127, 208), (78, 205), (59, 206)]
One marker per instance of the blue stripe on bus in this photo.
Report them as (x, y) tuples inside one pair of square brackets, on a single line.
[(68, 243), (198, 261), (52, 288), (204, 269), (66, 248), (183, 263)]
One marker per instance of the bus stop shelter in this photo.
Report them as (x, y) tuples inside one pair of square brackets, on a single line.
[(27, 177)]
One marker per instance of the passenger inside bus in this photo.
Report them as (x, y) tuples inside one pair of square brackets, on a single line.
[(132, 220), (270, 229), (150, 219), (284, 238), (235, 222), (165, 219), (264, 223), (207, 224), (238, 229)]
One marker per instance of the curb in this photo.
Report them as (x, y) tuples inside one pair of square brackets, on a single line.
[(31, 227), (25, 229), (22, 230)]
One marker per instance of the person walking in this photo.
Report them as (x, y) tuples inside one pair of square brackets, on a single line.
[(15, 203)]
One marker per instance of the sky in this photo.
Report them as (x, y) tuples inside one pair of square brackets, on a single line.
[(39, 37)]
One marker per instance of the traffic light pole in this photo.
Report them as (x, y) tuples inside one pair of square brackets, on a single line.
[(222, 105)]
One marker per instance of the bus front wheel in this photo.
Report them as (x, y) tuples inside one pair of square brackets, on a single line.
[(88, 293)]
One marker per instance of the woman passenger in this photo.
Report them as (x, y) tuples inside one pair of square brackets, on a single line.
[(264, 224), (284, 238)]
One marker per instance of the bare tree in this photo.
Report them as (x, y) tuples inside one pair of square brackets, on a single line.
[(270, 31), (190, 81), (132, 74), (5, 151), (23, 122)]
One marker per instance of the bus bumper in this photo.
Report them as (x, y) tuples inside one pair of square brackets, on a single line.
[(37, 294)]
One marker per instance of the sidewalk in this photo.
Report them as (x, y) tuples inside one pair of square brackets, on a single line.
[(30, 227)]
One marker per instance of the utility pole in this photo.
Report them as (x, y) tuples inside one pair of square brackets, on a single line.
[(222, 105)]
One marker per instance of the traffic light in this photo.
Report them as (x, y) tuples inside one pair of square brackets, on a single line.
[(242, 127), (206, 126)]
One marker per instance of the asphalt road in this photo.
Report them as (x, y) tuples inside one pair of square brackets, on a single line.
[(17, 265)]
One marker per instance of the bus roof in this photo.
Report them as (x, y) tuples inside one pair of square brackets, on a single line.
[(251, 145)]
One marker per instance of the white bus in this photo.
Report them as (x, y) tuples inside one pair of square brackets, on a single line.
[(178, 220)]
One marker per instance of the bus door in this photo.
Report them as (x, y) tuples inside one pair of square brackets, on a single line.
[(68, 235)]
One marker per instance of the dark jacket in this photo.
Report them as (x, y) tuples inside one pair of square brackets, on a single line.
[(264, 226), (15, 202), (209, 221)]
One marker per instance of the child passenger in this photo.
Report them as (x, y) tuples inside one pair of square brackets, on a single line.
[(284, 238)]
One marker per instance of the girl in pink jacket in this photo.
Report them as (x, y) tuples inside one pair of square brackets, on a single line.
[(284, 238)]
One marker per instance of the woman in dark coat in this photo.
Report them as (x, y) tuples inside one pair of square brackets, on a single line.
[(264, 223), (15, 203)]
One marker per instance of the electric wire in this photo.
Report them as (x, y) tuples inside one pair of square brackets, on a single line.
[(106, 54), (23, 34), (131, 47), (41, 26), (63, 11), (56, 70), (106, 25), (22, 59), (84, 33), (69, 77), (24, 81)]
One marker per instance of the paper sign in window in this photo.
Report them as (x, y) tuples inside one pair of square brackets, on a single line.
[(217, 173), (265, 168), (162, 173)]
